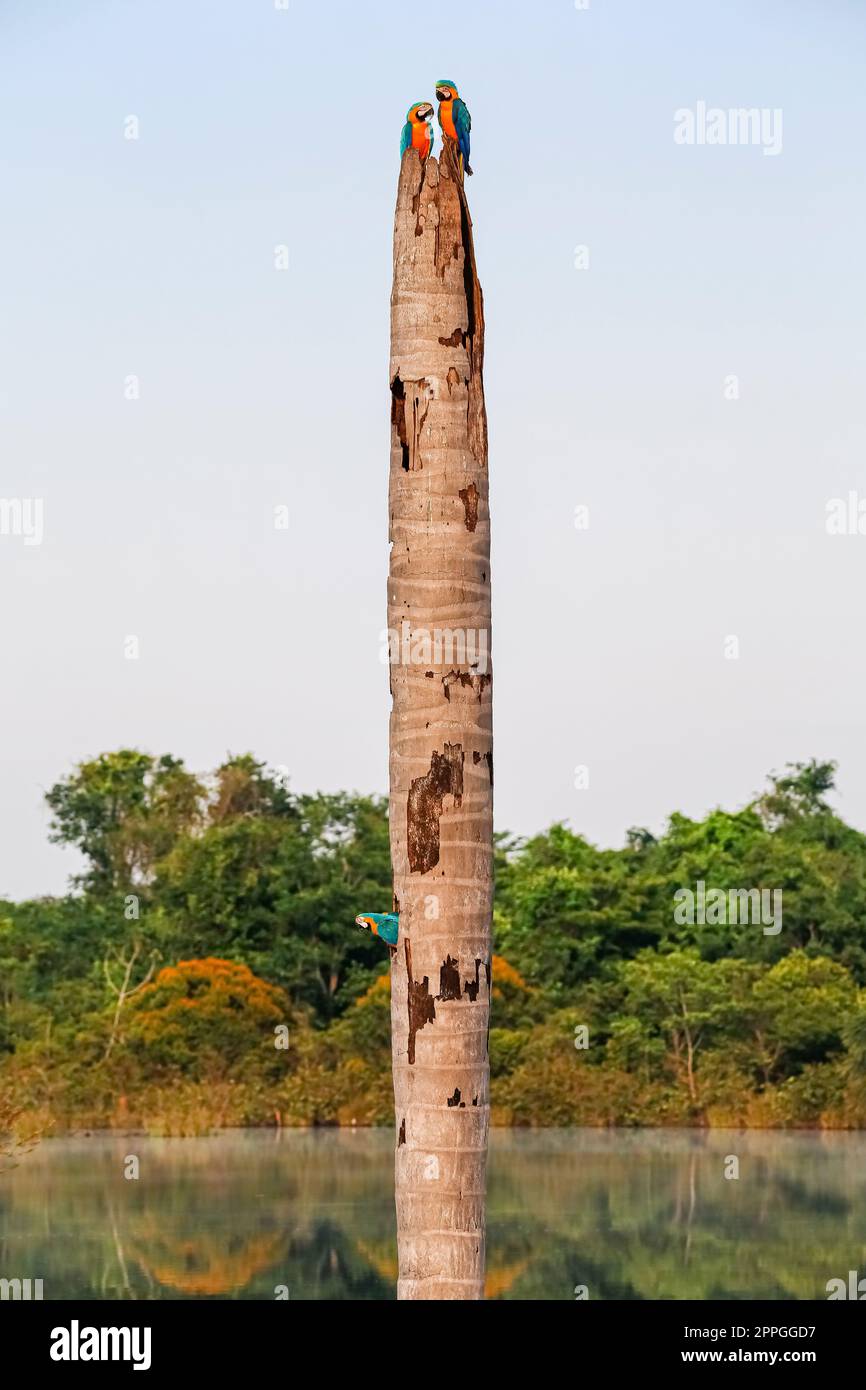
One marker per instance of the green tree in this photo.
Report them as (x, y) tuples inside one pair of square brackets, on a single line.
[(798, 1010), (679, 998), (123, 811), (798, 793)]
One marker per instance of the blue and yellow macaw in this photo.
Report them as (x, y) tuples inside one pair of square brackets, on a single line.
[(383, 924), (418, 130), (454, 118)]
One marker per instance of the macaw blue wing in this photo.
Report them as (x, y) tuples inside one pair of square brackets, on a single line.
[(463, 125), (405, 138)]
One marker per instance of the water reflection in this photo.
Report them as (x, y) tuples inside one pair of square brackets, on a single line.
[(629, 1214)]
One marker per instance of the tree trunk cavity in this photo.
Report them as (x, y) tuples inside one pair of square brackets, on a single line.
[(441, 750)]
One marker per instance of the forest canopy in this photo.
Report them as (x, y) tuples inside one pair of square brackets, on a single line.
[(204, 968)]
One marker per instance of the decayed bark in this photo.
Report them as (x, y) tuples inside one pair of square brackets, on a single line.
[(441, 763)]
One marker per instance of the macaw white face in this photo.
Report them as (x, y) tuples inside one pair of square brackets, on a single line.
[(423, 113), (362, 922), (444, 93)]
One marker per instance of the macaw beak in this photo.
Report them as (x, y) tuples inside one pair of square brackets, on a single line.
[(443, 93), (424, 113)]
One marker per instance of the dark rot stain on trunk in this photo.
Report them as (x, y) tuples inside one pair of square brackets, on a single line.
[(454, 1100), (422, 1005), (488, 758), (450, 985), (464, 678), (487, 965), (424, 806), (457, 339), (449, 979), (401, 1137), (398, 419), (469, 497), (471, 987)]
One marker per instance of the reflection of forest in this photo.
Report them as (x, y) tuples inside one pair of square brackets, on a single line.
[(630, 1214)]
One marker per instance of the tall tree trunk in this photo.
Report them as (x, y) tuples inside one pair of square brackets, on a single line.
[(441, 759)]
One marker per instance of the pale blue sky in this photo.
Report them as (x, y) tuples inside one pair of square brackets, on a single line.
[(155, 257)]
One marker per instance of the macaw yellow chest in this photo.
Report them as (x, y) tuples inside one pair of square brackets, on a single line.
[(421, 138)]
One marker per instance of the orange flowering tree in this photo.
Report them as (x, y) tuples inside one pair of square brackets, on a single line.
[(206, 1014)]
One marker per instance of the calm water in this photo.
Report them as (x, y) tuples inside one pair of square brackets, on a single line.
[(630, 1214)]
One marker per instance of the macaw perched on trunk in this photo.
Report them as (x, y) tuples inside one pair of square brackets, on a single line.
[(418, 130), (383, 924), (454, 118)]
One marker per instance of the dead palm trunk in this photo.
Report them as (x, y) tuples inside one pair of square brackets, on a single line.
[(441, 753)]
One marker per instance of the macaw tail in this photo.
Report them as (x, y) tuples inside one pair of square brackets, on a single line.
[(462, 161)]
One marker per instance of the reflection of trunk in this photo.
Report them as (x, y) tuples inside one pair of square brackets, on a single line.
[(441, 765), (118, 1250), (692, 1200)]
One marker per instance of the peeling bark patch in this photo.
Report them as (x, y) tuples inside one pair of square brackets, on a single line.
[(419, 418), (452, 379), (398, 418), (455, 1099), (449, 979), (457, 339), (464, 678), (469, 498), (422, 1005), (408, 417), (488, 759), (401, 1137), (424, 806), (471, 987), (476, 414)]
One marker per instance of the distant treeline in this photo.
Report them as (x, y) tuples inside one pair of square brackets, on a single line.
[(205, 970)]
